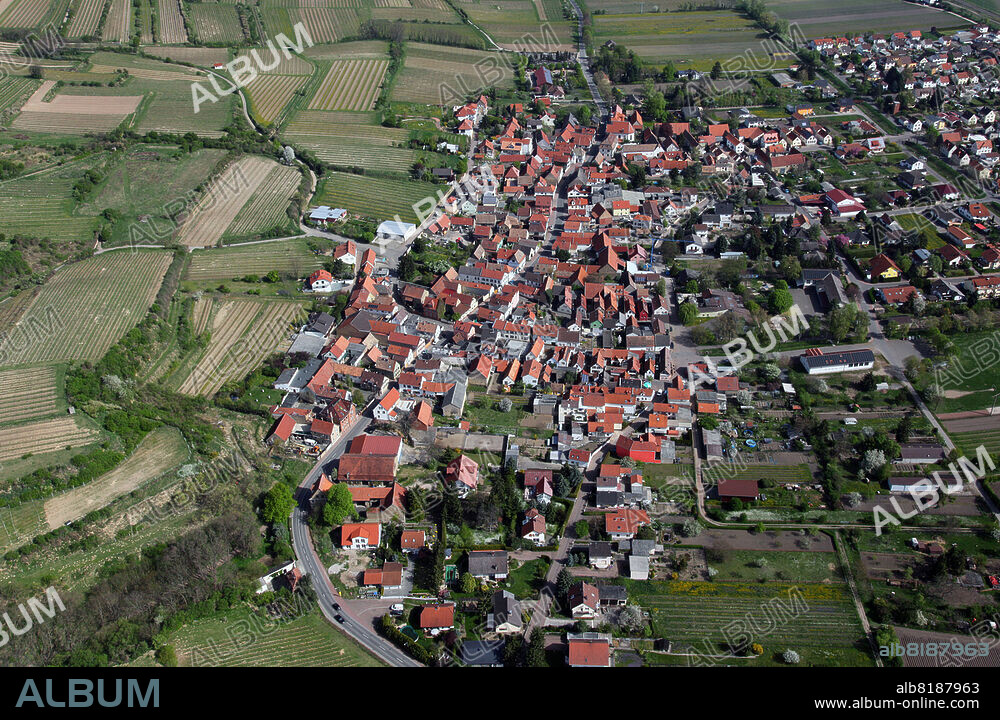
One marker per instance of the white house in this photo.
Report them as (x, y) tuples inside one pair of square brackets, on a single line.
[(399, 231)]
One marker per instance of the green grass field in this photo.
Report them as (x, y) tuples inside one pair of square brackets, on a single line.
[(972, 372), (286, 256), (241, 639), (742, 565), (42, 206), (691, 40), (380, 198), (817, 18)]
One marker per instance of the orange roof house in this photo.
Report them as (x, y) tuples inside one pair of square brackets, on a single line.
[(360, 536), (423, 418), (436, 617), (412, 540)]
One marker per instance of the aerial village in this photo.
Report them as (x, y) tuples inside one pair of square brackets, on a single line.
[(537, 385)]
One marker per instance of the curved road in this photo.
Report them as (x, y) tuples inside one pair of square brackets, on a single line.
[(309, 563)]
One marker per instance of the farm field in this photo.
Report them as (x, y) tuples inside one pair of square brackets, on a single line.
[(215, 22), (778, 473), (41, 205), (370, 146), (967, 442), (350, 85), (435, 75), (73, 114), (12, 308), (86, 17), (244, 332), (270, 94), (695, 614), (14, 91), (145, 21), (285, 256), (691, 40), (222, 201), (118, 23), (817, 18), (266, 208), (510, 22), (87, 306), (31, 13), (171, 23), (306, 641), (379, 198), (28, 393), (160, 451), (45, 436)]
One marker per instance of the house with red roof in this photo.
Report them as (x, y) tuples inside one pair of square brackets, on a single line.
[(320, 281), (463, 472), (435, 618), (423, 417), (584, 600), (533, 527), (623, 524), (896, 295), (883, 269), (388, 577), (412, 540), (589, 650), (282, 431), (360, 536)]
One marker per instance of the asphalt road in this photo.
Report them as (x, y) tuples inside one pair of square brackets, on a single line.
[(360, 629)]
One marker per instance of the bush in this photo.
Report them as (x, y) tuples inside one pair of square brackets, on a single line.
[(791, 657)]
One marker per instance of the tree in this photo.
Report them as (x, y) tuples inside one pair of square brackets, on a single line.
[(904, 429), (716, 72), (564, 581), (779, 301), (469, 583), (690, 528), (846, 321), (791, 657), (770, 372), (872, 461), (339, 504), (278, 503), (166, 656), (708, 422), (505, 405), (407, 268), (582, 529), (535, 655), (688, 313), (868, 383)]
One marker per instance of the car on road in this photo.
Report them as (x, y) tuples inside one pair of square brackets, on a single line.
[(336, 606), (339, 618)]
